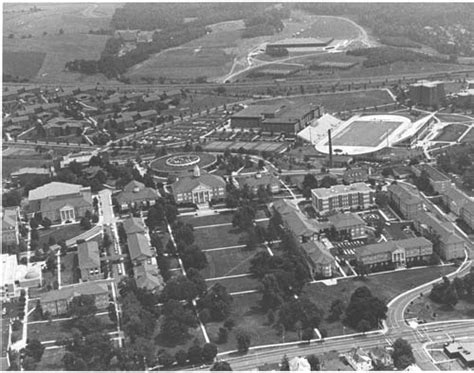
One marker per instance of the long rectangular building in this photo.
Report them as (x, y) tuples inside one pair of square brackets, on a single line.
[(342, 197), (399, 252)]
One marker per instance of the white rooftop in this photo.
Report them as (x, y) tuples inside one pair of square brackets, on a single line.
[(52, 190)]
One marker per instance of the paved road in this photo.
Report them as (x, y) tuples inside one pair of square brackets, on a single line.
[(432, 332)]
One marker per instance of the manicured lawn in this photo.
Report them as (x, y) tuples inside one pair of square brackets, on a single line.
[(172, 349), (210, 238), (65, 232), (451, 132), (228, 262), (384, 286), (70, 274), (424, 308), (248, 316), (237, 284), (51, 360), (208, 220)]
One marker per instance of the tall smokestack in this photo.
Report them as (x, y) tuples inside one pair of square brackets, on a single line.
[(330, 148)]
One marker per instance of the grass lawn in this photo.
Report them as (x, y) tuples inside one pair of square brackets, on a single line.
[(172, 349), (51, 360), (237, 284), (248, 316), (424, 308), (451, 132), (10, 165), (65, 232), (384, 286), (208, 219), (70, 275), (469, 138), (228, 262), (211, 238)]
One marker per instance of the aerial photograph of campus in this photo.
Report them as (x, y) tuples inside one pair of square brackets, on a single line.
[(247, 186)]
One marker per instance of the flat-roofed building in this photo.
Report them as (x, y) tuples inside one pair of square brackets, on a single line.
[(57, 302), (89, 261), (10, 226), (406, 199), (463, 350), (427, 93), (82, 158), (299, 43), (399, 253), (342, 197), (14, 277)]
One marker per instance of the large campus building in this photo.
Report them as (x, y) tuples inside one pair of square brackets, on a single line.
[(399, 252), (200, 188), (298, 43), (60, 202), (427, 93), (342, 197), (288, 119)]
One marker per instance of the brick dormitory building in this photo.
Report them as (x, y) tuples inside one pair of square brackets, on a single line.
[(342, 197)]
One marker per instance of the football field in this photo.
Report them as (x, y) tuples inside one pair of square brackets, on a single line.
[(365, 133)]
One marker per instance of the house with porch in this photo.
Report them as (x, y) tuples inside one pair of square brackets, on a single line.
[(136, 194)]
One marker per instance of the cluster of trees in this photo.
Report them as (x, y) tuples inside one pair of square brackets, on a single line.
[(190, 253), (429, 24), (380, 56), (458, 160), (402, 354), (268, 22), (423, 183), (364, 311), (196, 354), (33, 351), (230, 163), (449, 292)]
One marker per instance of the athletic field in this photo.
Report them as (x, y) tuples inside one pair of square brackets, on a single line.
[(365, 133)]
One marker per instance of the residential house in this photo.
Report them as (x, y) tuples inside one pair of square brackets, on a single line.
[(135, 194), (400, 252), (60, 202), (406, 199), (349, 223), (299, 364), (148, 276), (358, 359), (381, 357), (254, 182), (451, 245), (199, 188), (57, 302), (58, 126), (319, 259), (89, 261), (134, 225), (23, 121), (148, 114), (139, 248), (10, 226), (342, 197)]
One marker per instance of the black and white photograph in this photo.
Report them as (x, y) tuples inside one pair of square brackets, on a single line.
[(246, 186)]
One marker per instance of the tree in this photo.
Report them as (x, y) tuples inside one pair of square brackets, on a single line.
[(243, 341), (363, 326), (29, 363), (308, 334), (181, 357), (336, 309), (192, 256), (327, 182), (221, 366), (195, 353), (86, 224), (180, 288), (243, 217), (46, 223), (165, 358), (209, 352), (34, 348), (402, 354), (218, 301), (364, 306), (314, 362), (285, 364), (223, 335), (301, 309)]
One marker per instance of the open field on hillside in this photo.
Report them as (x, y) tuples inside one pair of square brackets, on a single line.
[(213, 54), (22, 64), (75, 20)]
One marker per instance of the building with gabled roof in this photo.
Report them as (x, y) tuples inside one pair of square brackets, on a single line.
[(299, 364), (133, 225), (57, 302), (136, 194), (349, 223), (200, 188), (139, 247), (359, 359), (254, 182), (60, 202), (455, 200), (89, 261), (148, 276), (399, 253), (407, 200), (319, 259)]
